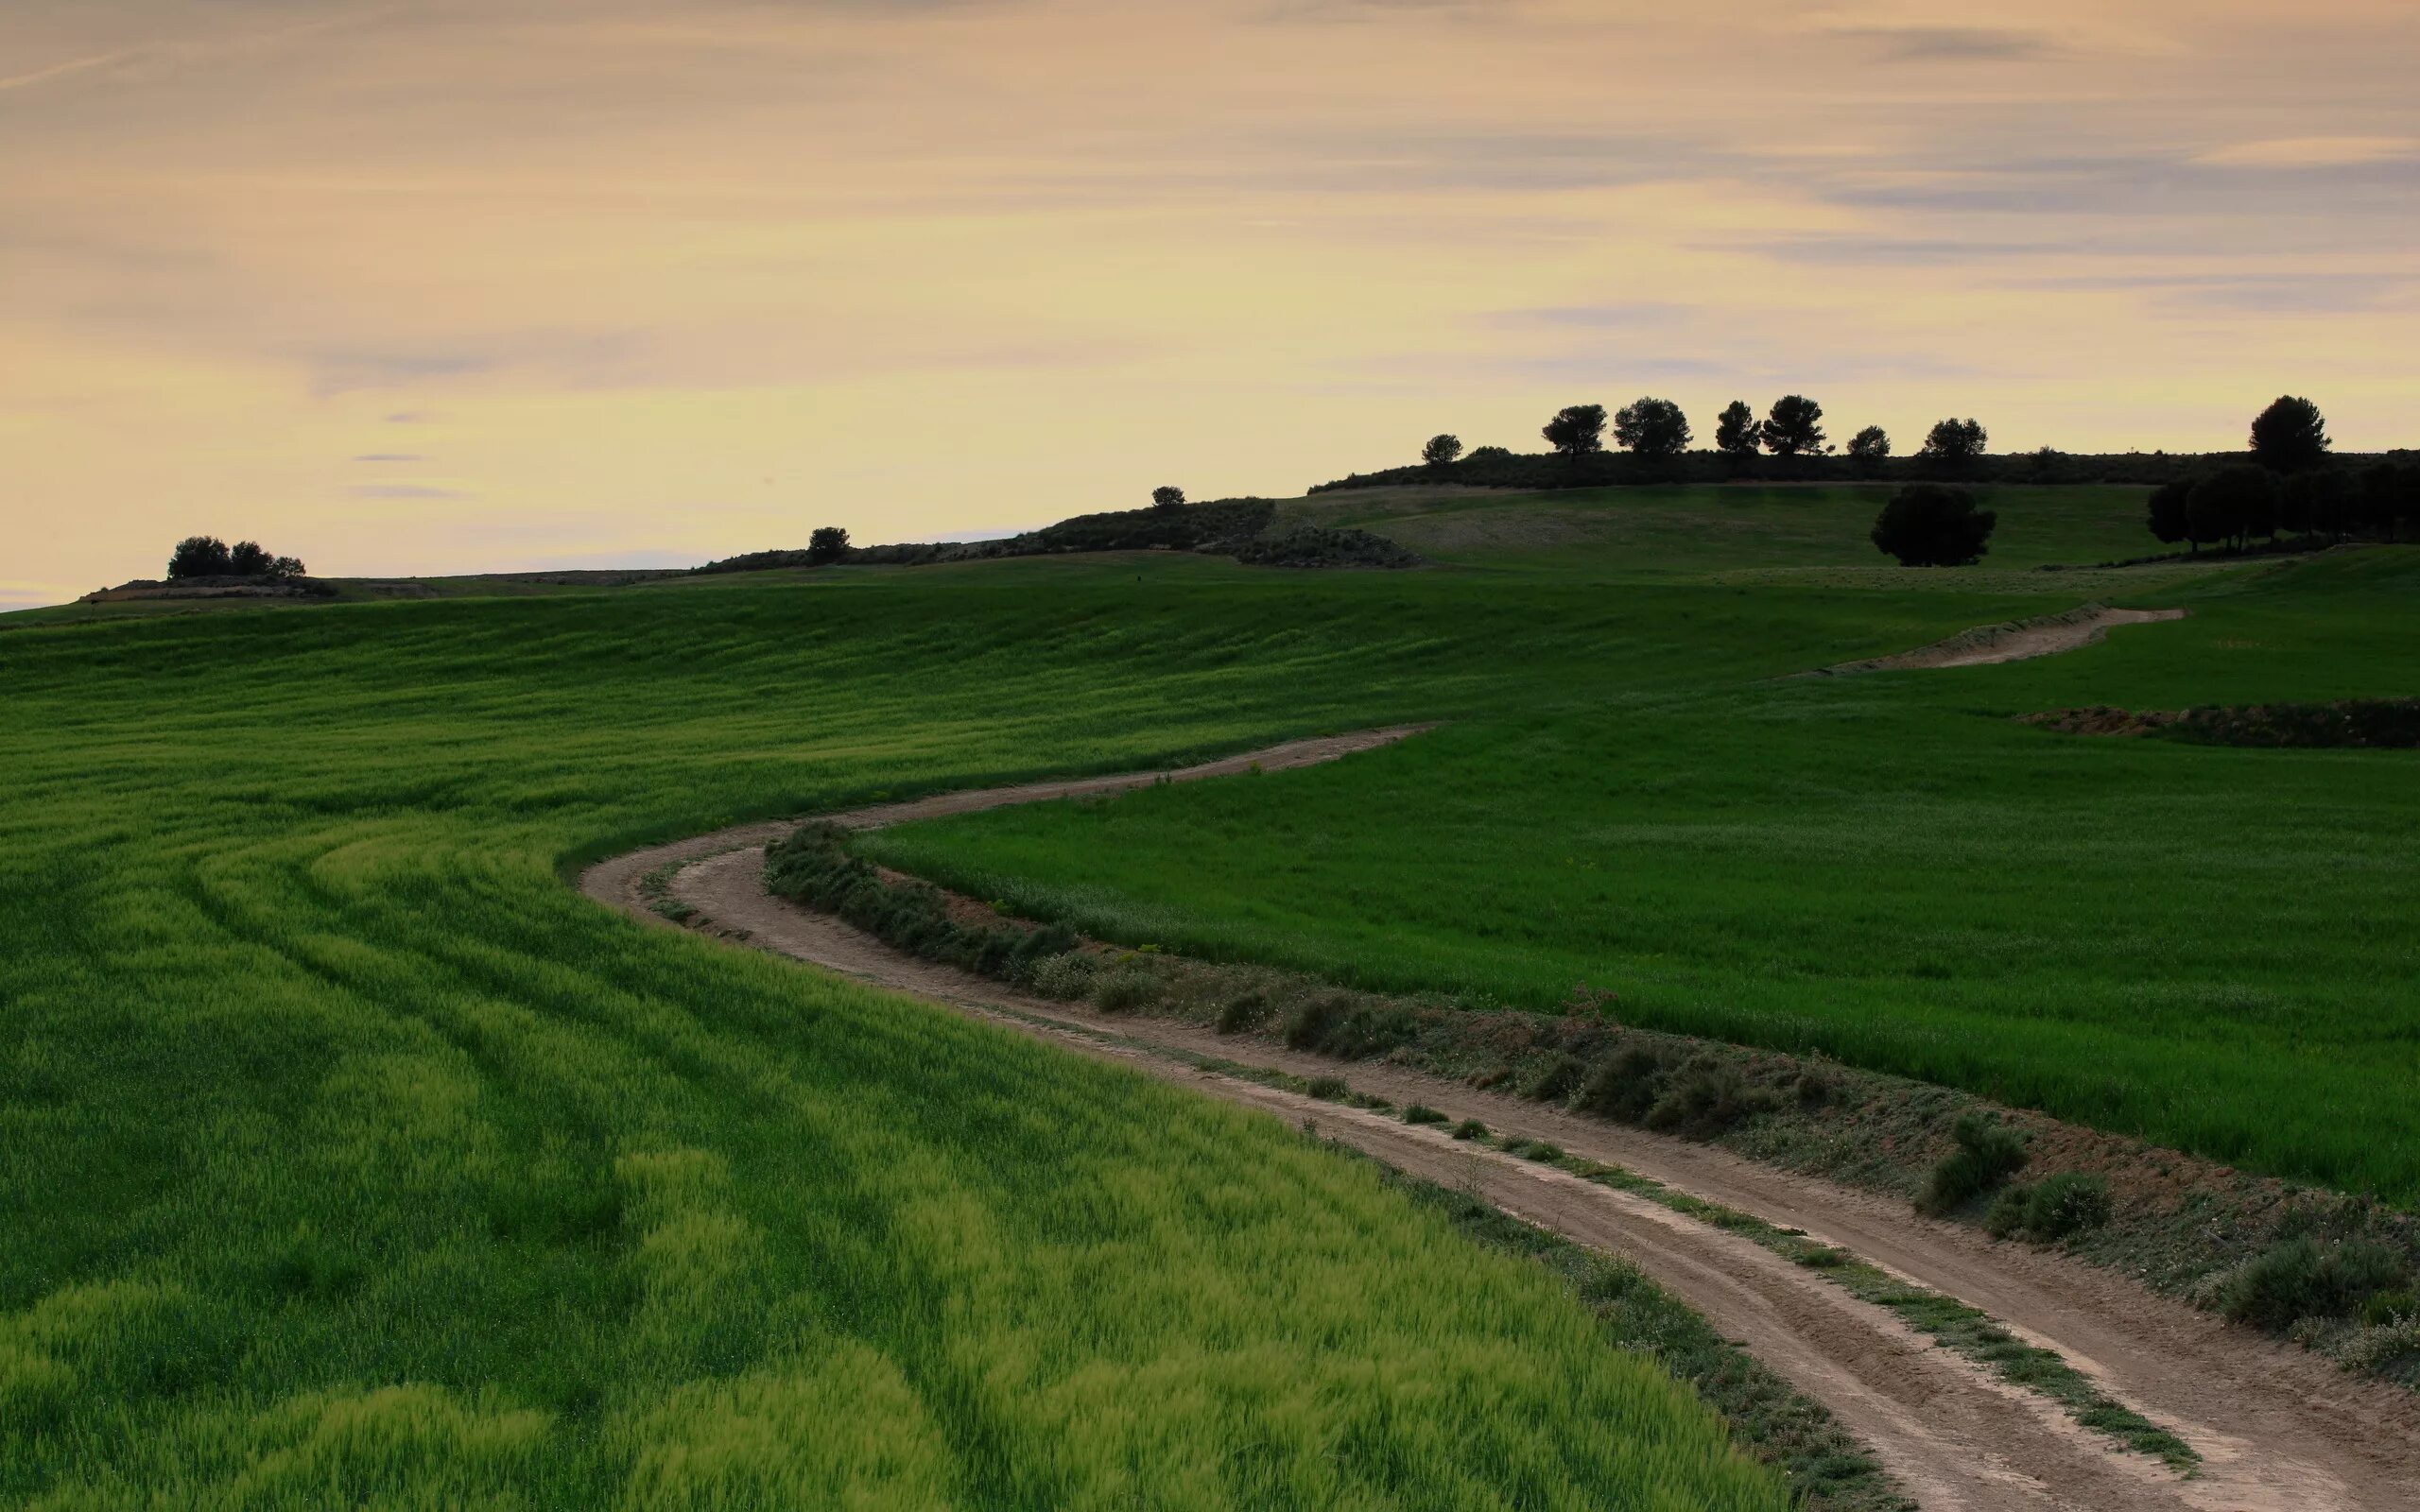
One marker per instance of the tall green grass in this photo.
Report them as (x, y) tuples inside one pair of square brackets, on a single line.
[(2211, 948), (349, 1158)]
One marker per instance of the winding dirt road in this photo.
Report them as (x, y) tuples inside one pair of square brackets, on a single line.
[(2277, 1428), (2018, 641)]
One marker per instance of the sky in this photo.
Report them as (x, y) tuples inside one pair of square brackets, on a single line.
[(512, 284)]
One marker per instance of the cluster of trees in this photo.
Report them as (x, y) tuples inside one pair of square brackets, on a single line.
[(209, 556), (2291, 484), (1658, 429)]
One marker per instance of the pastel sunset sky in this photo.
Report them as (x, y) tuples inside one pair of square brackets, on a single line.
[(477, 287)]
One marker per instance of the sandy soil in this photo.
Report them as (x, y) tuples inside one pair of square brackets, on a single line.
[(2014, 642), (2277, 1428)]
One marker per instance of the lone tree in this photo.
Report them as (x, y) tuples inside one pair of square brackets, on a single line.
[(1795, 427), (248, 560), (1737, 434), (1441, 452), (1577, 430), (2290, 436), (200, 556), (2170, 521), (829, 543), (1168, 496), (2233, 504), (1869, 449), (1931, 525), (1653, 427), (1954, 443)]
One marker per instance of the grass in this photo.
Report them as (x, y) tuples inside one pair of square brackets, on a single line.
[(347, 1157), (2205, 947)]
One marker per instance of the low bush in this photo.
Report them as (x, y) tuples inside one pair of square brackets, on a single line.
[(2304, 1277), (1246, 1011), (1423, 1113), (1988, 1153), (1313, 546), (1309, 1025), (1625, 1085), (1062, 976), (1124, 989), (1470, 1128), (1707, 1102), (1555, 1078), (1329, 1088), (2388, 1308)]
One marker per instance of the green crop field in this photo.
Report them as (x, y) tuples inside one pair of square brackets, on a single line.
[(2211, 948), (349, 1157)]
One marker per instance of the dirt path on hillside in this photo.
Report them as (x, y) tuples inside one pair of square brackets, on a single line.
[(2014, 642), (2278, 1428)]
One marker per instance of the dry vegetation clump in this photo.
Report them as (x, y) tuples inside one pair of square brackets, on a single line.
[(2385, 724)]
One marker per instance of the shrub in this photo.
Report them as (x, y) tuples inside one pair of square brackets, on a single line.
[(1930, 524), (2305, 1278), (1124, 989), (1317, 547), (1329, 1088), (1624, 1085), (1470, 1128), (2067, 1203), (1246, 1011), (1310, 1023), (2384, 1310), (1707, 1102), (199, 557), (1423, 1113), (1555, 1078), (1988, 1153), (1062, 976)]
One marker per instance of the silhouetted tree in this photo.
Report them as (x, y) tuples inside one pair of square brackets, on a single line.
[(1653, 427), (200, 556), (1441, 450), (1931, 525), (1795, 427), (2169, 522), (1869, 449), (248, 560), (827, 543), (285, 567), (1489, 453), (1577, 430), (2233, 504), (2290, 436), (1954, 443), (1167, 496), (2320, 502), (1737, 434)]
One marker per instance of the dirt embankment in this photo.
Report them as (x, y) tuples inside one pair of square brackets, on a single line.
[(2016, 641), (2276, 1428)]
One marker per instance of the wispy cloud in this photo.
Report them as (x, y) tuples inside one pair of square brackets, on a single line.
[(2312, 152)]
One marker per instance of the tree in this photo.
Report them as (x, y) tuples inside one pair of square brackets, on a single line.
[(2167, 513), (1652, 428), (1869, 449), (1441, 452), (285, 567), (1737, 434), (1489, 453), (827, 543), (1954, 443), (1577, 430), (1167, 496), (2320, 502), (1794, 428), (248, 560), (2290, 436), (1931, 525), (2232, 505), (199, 557), (2387, 495)]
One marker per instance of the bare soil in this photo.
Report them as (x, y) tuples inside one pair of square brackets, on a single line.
[(2276, 1427), (2016, 641)]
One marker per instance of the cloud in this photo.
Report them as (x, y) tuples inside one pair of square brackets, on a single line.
[(1933, 42), (2312, 152)]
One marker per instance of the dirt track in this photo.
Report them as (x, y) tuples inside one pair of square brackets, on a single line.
[(2277, 1428), (2017, 642)]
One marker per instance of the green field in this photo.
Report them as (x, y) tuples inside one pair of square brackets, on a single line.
[(2210, 948), (349, 1157)]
